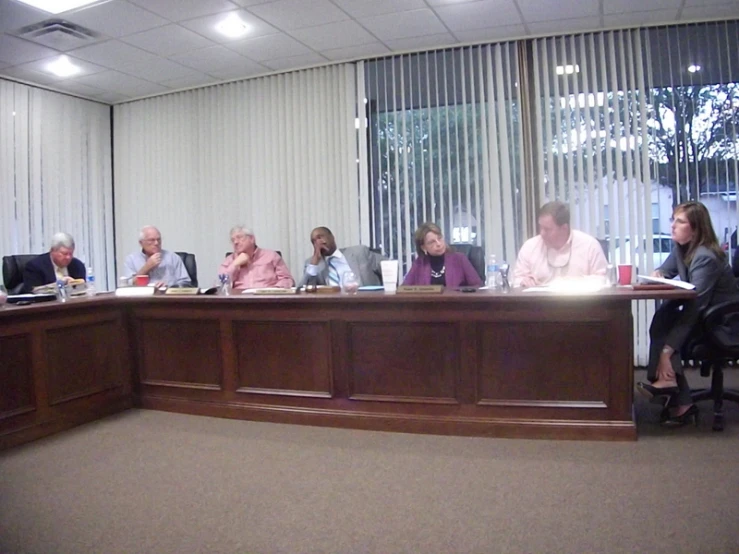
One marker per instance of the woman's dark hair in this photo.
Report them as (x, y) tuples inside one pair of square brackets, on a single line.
[(703, 233)]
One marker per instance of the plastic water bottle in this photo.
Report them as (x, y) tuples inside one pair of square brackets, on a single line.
[(491, 276), (90, 282)]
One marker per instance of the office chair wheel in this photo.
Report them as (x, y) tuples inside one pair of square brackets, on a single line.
[(718, 422)]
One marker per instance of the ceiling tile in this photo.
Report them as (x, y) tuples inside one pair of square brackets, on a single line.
[(112, 97), (14, 15), (637, 18), (116, 18), (157, 70), (334, 35), (493, 34), (195, 80), (295, 62), (447, 2), (536, 10), (362, 8), (121, 83), (86, 68), (269, 48), (478, 15), (16, 51), (209, 60), (351, 52), (206, 26), (295, 14), (428, 41), (78, 88), (414, 23), (113, 53), (623, 6), (565, 25), (246, 3), (722, 10), (30, 76), (185, 9), (168, 40), (245, 68)]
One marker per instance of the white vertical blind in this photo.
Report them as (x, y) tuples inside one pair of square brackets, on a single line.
[(276, 153), (444, 146), (55, 175)]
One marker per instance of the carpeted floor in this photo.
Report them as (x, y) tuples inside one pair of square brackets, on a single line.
[(154, 482)]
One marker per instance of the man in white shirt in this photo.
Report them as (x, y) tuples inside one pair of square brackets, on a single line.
[(163, 267), (557, 251)]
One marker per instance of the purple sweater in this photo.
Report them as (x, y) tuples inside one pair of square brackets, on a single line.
[(459, 271)]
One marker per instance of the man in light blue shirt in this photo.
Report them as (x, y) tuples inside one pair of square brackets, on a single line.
[(163, 267)]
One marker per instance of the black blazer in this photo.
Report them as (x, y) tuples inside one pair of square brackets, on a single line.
[(40, 271)]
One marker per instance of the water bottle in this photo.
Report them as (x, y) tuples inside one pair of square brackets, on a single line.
[(61, 291), (491, 280), (90, 282)]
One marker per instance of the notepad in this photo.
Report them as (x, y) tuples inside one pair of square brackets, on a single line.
[(663, 281)]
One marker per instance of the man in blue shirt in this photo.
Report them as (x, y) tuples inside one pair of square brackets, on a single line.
[(163, 267)]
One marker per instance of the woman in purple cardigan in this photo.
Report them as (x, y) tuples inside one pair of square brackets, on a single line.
[(437, 263)]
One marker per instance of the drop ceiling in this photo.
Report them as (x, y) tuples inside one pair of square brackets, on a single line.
[(139, 48)]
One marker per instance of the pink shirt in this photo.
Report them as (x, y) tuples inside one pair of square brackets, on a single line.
[(266, 268), (581, 256)]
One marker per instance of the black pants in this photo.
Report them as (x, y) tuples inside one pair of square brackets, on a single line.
[(664, 319)]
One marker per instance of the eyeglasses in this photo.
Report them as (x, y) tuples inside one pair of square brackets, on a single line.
[(152, 241)]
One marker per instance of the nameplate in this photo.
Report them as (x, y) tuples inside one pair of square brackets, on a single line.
[(276, 290), (420, 289), (327, 289), (178, 291), (134, 291)]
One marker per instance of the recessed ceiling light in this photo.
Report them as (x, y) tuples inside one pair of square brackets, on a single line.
[(568, 69), (232, 26), (62, 67), (58, 6), (693, 68)]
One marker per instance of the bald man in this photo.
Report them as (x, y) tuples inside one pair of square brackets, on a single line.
[(163, 267)]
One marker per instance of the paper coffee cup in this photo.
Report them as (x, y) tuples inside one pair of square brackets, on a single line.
[(389, 275)]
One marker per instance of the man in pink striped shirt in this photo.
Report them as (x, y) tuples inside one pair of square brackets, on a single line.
[(557, 251), (251, 267)]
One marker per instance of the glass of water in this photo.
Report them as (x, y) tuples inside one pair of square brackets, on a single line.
[(349, 283)]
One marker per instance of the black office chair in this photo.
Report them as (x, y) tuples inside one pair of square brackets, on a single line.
[(191, 266), (718, 346), (13, 267), (604, 246), (475, 254)]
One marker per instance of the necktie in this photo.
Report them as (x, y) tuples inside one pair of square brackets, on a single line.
[(333, 274)]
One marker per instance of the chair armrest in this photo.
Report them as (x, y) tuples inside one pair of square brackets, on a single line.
[(715, 314)]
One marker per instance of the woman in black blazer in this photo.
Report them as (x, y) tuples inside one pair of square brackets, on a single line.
[(696, 258)]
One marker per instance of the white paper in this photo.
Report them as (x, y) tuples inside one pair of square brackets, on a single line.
[(662, 280)]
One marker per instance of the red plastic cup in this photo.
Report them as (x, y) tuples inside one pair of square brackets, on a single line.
[(624, 274), (142, 280)]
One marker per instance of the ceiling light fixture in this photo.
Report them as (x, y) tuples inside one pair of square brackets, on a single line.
[(62, 67), (58, 6), (568, 69), (232, 26), (693, 68)]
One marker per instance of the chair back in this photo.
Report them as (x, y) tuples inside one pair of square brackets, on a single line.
[(190, 265), (475, 254), (13, 267), (604, 246)]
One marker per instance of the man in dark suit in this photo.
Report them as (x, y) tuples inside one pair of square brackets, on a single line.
[(328, 263), (58, 264)]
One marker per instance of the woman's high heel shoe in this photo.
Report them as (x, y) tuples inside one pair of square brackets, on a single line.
[(650, 391), (690, 415)]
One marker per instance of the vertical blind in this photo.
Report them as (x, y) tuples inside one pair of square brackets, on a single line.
[(55, 175), (278, 154), (444, 146)]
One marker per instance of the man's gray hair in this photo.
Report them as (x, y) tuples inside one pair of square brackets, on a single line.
[(241, 230), (62, 240), (142, 232)]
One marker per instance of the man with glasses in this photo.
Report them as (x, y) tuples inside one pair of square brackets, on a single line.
[(557, 251), (163, 267)]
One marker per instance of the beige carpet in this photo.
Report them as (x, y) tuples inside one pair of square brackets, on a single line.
[(153, 482)]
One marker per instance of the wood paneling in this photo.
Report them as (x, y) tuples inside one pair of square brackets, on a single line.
[(530, 363), (284, 357), (183, 353), (82, 360), (404, 362), (16, 382)]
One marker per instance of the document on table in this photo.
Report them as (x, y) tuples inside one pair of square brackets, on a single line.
[(663, 281)]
